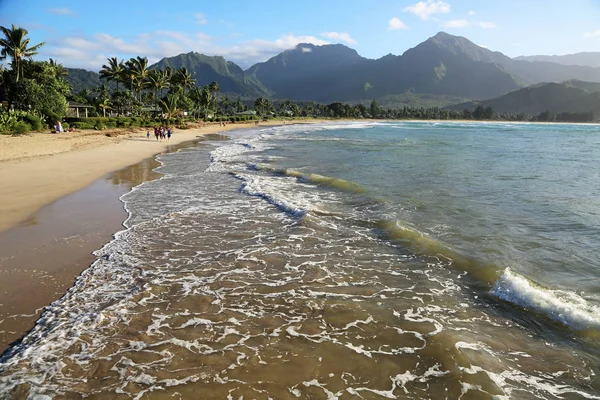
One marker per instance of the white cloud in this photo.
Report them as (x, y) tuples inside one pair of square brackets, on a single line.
[(425, 9), (60, 11), (592, 34), (487, 25), (456, 23), (306, 49), (395, 24), (339, 37), (91, 52), (471, 12), (200, 18)]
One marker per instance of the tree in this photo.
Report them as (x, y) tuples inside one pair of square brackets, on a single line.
[(375, 110), (169, 107), (137, 71), (113, 71), (184, 79), (104, 105), (15, 45), (158, 80)]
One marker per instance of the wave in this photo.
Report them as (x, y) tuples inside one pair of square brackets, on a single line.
[(273, 193), (336, 183), (562, 306), (565, 307)]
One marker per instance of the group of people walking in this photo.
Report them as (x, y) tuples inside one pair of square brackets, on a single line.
[(161, 133)]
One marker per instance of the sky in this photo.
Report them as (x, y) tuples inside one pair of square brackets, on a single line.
[(84, 33)]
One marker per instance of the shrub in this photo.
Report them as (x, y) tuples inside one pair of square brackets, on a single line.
[(83, 125), (33, 121), (20, 128)]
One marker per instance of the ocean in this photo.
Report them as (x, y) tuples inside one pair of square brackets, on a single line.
[(360, 260)]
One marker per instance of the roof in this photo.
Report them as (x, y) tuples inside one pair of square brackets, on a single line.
[(78, 105)]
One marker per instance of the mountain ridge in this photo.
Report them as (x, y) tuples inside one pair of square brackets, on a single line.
[(443, 64)]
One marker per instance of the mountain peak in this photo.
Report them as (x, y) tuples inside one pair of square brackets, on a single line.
[(461, 45)]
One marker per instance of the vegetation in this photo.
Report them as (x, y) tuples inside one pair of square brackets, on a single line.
[(130, 93), (32, 94)]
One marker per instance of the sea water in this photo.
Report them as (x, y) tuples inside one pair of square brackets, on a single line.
[(341, 260)]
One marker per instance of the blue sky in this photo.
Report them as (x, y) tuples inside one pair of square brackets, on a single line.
[(85, 33)]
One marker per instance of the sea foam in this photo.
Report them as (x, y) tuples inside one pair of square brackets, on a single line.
[(563, 306)]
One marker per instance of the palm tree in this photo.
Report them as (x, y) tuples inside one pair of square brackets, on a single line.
[(196, 96), (158, 80), (113, 71), (184, 78), (59, 69), (15, 45), (169, 107), (104, 105), (138, 72)]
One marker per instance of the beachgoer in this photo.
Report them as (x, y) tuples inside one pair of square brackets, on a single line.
[(148, 135), (169, 134), (58, 127)]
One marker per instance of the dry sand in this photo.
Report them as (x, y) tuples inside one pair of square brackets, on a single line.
[(41, 168)]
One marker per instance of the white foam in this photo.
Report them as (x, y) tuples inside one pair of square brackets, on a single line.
[(562, 306)]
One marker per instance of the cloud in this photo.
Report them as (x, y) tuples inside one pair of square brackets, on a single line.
[(456, 23), (592, 34), (471, 12), (91, 52), (395, 24), (200, 18), (60, 11), (247, 53), (228, 24), (306, 49), (487, 25), (424, 9), (339, 37)]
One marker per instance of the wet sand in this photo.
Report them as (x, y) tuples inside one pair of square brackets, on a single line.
[(59, 203), (42, 256)]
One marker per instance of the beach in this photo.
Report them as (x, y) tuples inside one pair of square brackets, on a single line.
[(341, 259), (59, 202)]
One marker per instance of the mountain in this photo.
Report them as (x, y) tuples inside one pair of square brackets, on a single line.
[(585, 59), (441, 65), (206, 69), (444, 64), (81, 79), (569, 96), (309, 72)]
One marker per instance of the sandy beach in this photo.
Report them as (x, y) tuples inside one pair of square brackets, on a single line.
[(60, 202), (40, 168)]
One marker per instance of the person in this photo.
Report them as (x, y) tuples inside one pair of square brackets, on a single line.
[(169, 134), (58, 127), (148, 134)]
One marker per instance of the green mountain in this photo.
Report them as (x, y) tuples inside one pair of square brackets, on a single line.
[(443, 65), (586, 59), (570, 96), (206, 69), (310, 72), (440, 65), (81, 79)]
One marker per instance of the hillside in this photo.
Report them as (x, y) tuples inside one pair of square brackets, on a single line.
[(81, 79), (585, 59), (206, 69), (535, 99), (443, 65)]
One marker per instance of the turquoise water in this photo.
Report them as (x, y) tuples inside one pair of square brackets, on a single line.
[(350, 260)]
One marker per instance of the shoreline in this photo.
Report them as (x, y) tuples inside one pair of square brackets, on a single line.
[(42, 168), (46, 243)]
